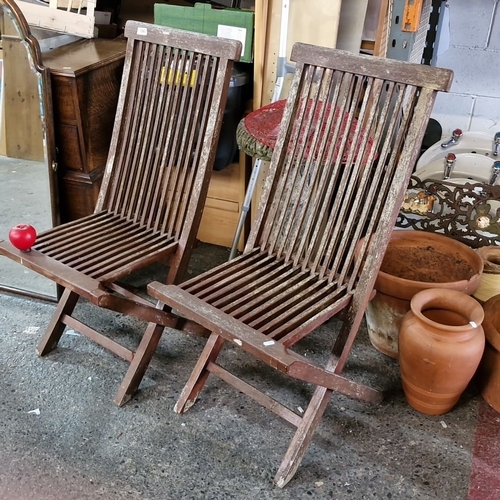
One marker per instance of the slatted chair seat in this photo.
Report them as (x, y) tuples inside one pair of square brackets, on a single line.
[(168, 120), (105, 246), (269, 294), (328, 208)]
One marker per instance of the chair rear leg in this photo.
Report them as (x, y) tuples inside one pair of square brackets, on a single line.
[(200, 374), (348, 331), (139, 365), (303, 436), (56, 327)]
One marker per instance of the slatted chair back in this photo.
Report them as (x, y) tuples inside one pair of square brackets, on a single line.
[(166, 128), (349, 138)]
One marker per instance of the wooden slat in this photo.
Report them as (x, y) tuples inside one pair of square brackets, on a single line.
[(266, 401), (97, 337)]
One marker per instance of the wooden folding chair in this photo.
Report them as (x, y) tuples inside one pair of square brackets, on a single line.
[(169, 114), (350, 135)]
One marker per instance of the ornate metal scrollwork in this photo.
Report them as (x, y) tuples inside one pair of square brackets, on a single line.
[(467, 212)]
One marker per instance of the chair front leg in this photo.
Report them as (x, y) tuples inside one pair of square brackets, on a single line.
[(200, 374), (303, 436), (139, 364), (56, 326)]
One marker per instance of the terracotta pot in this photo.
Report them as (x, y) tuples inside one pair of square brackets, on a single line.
[(441, 343), (488, 376), (394, 292), (489, 285)]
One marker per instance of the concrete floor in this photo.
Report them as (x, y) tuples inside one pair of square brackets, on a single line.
[(25, 197), (63, 439)]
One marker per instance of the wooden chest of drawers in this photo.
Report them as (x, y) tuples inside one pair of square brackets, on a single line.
[(85, 78)]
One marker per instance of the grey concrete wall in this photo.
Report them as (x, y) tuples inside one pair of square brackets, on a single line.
[(474, 56)]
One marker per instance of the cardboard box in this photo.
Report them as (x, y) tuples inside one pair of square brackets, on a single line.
[(236, 24)]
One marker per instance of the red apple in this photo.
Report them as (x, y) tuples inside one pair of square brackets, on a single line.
[(23, 237)]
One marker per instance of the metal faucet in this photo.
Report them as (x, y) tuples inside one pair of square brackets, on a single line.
[(449, 164), (496, 144), (496, 173), (455, 137)]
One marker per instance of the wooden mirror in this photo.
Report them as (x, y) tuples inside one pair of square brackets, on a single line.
[(28, 185)]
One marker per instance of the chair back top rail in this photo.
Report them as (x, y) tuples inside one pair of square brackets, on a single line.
[(350, 135), (419, 75), (171, 104)]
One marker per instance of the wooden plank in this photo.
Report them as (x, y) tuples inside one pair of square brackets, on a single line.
[(21, 100), (261, 22), (311, 21), (382, 36), (314, 21), (60, 20), (3, 144)]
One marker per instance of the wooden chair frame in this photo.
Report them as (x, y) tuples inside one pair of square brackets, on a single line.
[(349, 138), (168, 119)]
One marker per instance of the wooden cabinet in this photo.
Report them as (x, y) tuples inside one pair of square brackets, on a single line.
[(85, 78)]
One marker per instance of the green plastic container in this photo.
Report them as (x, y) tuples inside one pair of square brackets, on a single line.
[(202, 18)]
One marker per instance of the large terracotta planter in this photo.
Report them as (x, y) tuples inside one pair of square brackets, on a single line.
[(441, 343), (415, 261), (488, 376)]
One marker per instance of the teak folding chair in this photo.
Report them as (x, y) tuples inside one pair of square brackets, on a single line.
[(350, 135), (169, 114)]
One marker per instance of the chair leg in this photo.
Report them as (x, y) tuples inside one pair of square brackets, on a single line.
[(200, 374), (56, 327), (346, 336), (303, 436), (139, 364)]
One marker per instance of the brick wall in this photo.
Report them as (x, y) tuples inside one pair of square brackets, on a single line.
[(474, 56)]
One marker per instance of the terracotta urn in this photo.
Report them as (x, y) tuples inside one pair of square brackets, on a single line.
[(415, 261), (488, 375), (441, 342)]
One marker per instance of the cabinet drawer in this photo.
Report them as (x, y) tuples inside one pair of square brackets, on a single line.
[(70, 154)]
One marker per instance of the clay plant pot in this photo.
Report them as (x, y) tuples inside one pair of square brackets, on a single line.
[(415, 261), (488, 375), (489, 285), (441, 342)]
